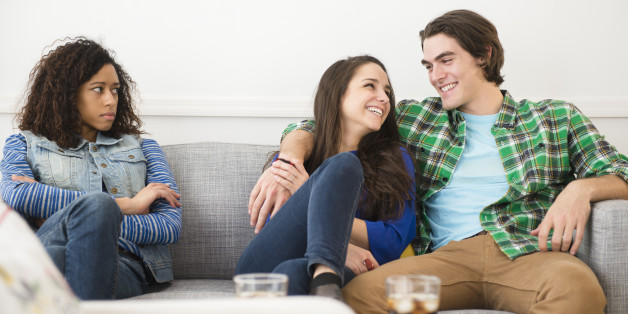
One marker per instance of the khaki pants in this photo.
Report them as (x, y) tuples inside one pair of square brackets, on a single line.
[(475, 274)]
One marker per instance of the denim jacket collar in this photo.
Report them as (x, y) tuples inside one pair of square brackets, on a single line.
[(101, 139)]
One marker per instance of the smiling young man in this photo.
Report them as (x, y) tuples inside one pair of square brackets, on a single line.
[(505, 186)]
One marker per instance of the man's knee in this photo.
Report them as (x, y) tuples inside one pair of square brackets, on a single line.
[(366, 293), (577, 282)]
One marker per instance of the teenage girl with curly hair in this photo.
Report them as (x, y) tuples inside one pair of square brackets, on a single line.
[(101, 199)]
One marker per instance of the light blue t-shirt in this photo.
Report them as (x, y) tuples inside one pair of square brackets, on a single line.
[(478, 180)]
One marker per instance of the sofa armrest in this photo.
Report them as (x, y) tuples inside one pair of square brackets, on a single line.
[(605, 250)]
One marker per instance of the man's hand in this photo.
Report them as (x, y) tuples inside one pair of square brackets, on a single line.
[(570, 212), (360, 260), (266, 198), (268, 195), (290, 175), (141, 202), (572, 209)]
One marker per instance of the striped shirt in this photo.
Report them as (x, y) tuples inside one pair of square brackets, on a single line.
[(161, 226), (542, 145)]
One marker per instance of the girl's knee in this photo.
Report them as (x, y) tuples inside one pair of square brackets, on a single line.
[(345, 165), (98, 207), (98, 203)]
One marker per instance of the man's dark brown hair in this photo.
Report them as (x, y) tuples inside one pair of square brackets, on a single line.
[(476, 35)]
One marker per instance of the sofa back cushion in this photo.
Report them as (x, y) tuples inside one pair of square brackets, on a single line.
[(215, 180)]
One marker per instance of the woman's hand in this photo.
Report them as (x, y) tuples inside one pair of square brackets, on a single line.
[(360, 260), (15, 177), (289, 175), (141, 202)]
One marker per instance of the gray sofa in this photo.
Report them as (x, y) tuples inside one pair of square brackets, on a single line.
[(215, 180)]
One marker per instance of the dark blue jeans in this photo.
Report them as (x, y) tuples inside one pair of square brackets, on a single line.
[(312, 227), (82, 240)]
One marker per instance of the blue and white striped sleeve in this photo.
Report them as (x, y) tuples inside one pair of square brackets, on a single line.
[(163, 224), (29, 199)]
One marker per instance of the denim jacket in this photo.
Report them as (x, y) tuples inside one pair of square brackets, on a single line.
[(114, 166)]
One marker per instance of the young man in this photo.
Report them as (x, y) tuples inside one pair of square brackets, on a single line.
[(504, 185)]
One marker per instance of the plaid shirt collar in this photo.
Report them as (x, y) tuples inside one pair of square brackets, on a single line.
[(506, 118)]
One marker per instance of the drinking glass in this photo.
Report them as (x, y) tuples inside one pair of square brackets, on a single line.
[(261, 285), (416, 294)]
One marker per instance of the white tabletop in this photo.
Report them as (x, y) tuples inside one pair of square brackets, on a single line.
[(300, 304)]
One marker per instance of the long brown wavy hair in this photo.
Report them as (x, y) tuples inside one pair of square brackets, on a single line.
[(50, 108), (386, 181)]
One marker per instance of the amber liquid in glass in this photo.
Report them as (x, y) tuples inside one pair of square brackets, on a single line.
[(413, 303)]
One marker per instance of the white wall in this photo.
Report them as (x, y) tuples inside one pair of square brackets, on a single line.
[(240, 70)]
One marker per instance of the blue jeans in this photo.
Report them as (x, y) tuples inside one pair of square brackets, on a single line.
[(312, 227), (82, 240)]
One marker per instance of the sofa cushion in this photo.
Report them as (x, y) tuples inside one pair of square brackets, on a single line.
[(29, 280), (215, 180)]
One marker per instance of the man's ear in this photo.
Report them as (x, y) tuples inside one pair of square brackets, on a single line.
[(483, 62)]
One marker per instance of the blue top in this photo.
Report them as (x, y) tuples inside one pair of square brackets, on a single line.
[(479, 179), (388, 239)]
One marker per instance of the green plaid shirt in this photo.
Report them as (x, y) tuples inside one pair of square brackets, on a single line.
[(543, 146)]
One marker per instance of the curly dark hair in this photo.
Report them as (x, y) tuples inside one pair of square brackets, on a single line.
[(50, 107)]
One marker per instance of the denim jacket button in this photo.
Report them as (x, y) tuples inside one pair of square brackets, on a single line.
[(94, 172), (114, 191), (94, 148), (103, 165), (131, 157)]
